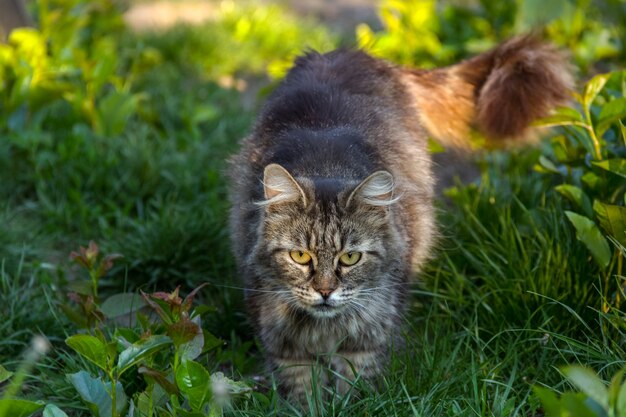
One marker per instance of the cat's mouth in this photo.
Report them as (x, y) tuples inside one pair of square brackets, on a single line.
[(324, 310)]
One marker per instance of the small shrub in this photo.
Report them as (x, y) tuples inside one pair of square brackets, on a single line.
[(594, 400), (589, 158), (162, 352)]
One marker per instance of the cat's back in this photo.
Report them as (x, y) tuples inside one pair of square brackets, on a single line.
[(347, 71), (339, 89), (324, 114)]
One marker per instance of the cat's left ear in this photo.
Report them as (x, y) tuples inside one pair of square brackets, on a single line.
[(375, 190), (280, 187)]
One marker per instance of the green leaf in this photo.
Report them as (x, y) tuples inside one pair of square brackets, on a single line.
[(4, 374), (77, 318), (162, 412), (588, 233), (573, 404), (548, 165), (96, 394), (159, 306), (576, 196), (18, 408), (591, 180), (612, 220), (80, 287), (211, 341), (138, 351), (160, 378), (614, 387), (616, 166), (185, 413), (610, 113), (104, 68), (533, 13), (216, 411), (144, 405), (261, 399), (147, 402), (203, 309), (194, 347), (114, 110), (596, 408), (588, 382), (125, 336), (563, 116), (52, 410), (593, 87), (562, 149), (621, 401), (549, 401), (122, 304), (194, 382), (91, 348)]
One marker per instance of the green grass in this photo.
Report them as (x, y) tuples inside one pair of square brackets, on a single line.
[(509, 298)]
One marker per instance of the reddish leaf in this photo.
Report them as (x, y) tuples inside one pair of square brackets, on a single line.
[(189, 299), (183, 331), (160, 378), (156, 307)]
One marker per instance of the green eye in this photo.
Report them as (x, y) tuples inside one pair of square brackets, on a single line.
[(300, 257), (350, 258)]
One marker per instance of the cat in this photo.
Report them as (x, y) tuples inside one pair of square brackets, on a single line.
[(332, 194)]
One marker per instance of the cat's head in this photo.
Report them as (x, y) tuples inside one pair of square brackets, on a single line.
[(328, 245)]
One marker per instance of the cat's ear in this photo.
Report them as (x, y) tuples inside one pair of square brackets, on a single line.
[(280, 187), (375, 190)]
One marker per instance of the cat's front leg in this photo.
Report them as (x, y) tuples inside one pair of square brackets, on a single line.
[(347, 366), (298, 377)]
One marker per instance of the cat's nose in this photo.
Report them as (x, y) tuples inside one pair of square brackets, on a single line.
[(325, 293)]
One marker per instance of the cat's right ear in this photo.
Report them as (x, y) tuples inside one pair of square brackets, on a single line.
[(376, 190), (280, 187)]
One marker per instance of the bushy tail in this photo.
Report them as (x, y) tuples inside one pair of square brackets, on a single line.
[(499, 92)]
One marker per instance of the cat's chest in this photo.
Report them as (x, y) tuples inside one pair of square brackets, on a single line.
[(291, 333), (324, 336)]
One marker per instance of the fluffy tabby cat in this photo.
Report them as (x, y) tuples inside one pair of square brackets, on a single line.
[(332, 193)]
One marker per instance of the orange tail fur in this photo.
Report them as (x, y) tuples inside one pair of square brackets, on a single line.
[(499, 92)]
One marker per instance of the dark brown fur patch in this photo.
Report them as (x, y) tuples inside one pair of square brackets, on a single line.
[(527, 79)]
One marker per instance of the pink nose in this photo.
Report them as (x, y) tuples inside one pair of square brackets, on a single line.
[(325, 293)]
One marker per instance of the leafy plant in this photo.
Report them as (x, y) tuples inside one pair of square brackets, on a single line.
[(85, 293), (162, 353), (69, 65), (594, 400), (430, 33), (590, 160)]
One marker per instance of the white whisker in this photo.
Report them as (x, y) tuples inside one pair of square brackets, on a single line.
[(253, 289), (358, 304), (381, 287)]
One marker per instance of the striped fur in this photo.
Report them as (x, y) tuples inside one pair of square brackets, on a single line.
[(337, 163)]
